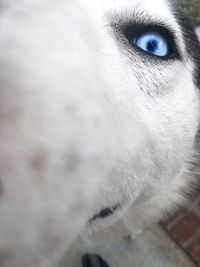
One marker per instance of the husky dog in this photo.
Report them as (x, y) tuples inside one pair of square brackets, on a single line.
[(99, 111)]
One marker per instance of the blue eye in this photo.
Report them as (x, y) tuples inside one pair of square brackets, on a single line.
[(153, 43)]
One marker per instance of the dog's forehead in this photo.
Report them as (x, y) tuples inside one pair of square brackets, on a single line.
[(154, 12), (159, 9)]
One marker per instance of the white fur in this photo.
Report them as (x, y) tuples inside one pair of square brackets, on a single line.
[(79, 132), (198, 32)]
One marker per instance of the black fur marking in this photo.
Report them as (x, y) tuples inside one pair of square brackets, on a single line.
[(105, 213), (192, 45), (89, 260)]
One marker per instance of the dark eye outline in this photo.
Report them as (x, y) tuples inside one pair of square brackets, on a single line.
[(132, 31)]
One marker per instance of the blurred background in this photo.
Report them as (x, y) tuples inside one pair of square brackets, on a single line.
[(191, 8)]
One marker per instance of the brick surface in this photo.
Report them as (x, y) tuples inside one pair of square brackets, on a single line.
[(185, 229), (194, 252)]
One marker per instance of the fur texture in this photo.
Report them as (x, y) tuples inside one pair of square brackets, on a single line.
[(88, 122)]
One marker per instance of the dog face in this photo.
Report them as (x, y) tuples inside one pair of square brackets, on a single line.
[(99, 113), (151, 174)]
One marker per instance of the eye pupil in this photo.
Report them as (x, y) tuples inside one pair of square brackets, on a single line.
[(152, 45)]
